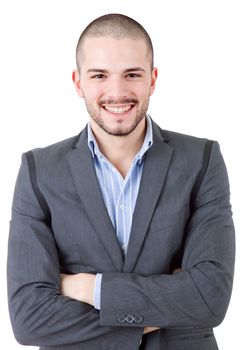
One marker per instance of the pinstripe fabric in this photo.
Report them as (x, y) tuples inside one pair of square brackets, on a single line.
[(119, 193)]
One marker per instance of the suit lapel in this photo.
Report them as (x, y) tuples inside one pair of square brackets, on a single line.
[(156, 165), (155, 170), (85, 179)]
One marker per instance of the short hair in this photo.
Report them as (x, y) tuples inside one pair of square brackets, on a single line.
[(118, 26)]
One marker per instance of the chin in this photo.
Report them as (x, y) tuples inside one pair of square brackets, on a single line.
[(120, 131)]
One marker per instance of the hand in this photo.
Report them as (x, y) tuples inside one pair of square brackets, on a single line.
[(150, 329), (177, 270), (79, 287)]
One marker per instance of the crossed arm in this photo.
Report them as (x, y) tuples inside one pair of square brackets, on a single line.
[(81, 287)]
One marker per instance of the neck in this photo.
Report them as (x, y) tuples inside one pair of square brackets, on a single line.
[(120, 150)]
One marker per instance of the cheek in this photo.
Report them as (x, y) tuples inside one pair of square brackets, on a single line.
[(143, 92), (144, 88), (92, 94)]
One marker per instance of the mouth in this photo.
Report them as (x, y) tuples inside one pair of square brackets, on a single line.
[(118, 109)]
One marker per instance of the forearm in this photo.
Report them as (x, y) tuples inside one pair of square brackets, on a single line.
[(186, 299), (81, 287)]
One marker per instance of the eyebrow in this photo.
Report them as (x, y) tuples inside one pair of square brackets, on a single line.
[(98, 70)]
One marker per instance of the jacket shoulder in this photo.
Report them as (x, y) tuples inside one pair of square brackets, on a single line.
[(56, 151), (189, 150), (182, 140)]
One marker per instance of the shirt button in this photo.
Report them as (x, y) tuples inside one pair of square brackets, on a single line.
[(122, 206), (124, 247)]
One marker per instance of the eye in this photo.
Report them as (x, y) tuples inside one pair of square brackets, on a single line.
[(133, 75), (98, 76)]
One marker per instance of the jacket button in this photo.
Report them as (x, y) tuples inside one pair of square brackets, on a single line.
[(121, 319), (138, 318), (130, 318)]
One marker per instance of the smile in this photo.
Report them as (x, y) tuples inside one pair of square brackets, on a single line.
[(118, 109)]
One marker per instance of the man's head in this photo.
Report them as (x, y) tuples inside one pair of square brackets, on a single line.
[(117, 26), (115, 74)]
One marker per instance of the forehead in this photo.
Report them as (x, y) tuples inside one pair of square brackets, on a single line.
[(106, 52)]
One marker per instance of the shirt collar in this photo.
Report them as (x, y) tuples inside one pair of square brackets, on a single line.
[(148, 141)]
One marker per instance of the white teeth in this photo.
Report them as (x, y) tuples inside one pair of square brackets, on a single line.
[(118, 110)]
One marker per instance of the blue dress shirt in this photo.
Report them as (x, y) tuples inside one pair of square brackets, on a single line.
[(119, 193)]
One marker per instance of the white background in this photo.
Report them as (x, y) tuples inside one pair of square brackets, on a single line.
[(199, 50)]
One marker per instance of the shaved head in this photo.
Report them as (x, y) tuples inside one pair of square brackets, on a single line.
[(117, 26)]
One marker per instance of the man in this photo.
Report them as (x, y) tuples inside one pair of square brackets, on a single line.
[(121, 237)]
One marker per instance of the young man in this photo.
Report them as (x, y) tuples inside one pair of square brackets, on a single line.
[(121, 237)]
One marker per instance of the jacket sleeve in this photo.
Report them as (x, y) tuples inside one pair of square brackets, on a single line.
[(40, 315), (197, 296)]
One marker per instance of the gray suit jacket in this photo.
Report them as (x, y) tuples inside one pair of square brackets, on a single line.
[(169, 230)]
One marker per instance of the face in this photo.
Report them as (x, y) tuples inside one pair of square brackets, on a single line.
[(116, 82)]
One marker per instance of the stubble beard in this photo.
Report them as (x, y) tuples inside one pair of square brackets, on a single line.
[(119, 131)]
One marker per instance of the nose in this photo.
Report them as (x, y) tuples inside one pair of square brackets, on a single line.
[(117, 89)]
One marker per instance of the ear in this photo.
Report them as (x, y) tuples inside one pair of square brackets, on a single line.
[(76, 81), (154, 75)]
